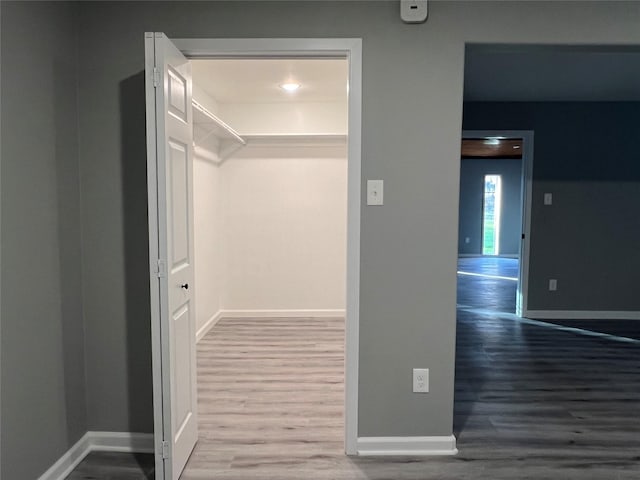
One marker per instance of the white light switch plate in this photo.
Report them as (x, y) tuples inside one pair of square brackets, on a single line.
[(548, 198), (375, 192)]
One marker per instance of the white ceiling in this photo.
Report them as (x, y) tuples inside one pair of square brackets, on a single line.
[(259, 80), (537, 73)]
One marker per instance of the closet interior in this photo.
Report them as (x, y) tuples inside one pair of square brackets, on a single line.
[(270, 187)]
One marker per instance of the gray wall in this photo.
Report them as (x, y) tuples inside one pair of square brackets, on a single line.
[(472, 172), (408, 293), (412, 104), (586, 155), (409, 246), (408, 250), (42, 350)]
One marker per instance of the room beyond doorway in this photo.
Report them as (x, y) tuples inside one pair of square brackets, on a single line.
[(495, 201)]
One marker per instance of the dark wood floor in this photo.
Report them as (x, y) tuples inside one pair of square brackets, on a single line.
[(114, 466), (533, 400)]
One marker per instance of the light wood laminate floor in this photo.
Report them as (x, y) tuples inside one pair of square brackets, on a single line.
[(533, 400)]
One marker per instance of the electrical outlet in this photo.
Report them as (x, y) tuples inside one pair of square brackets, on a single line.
[(467, 239), (553, 284), (420, 380)]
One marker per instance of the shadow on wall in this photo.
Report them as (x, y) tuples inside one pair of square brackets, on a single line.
[(68, 208), (136, 235)]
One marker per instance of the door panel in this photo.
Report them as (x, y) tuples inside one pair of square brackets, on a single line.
[(179, 184), (177, 94), (182, 336), (174, 175)]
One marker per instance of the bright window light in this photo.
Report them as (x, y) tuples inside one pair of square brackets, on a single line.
[(491, 215)]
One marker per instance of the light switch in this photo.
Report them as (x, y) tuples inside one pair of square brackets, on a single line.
[(375, 192), (548, 198)]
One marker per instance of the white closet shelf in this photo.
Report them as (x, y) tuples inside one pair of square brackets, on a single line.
[(206, 125), (204, 118), (302, 140)]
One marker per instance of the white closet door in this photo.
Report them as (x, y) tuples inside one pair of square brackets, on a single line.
[(174, 171)]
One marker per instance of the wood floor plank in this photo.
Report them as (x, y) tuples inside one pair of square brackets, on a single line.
[(531, 402)]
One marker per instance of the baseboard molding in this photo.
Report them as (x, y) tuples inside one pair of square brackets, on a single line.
[(581, 315), (413, 446), (202, 331), (329, 313), (208, 325), (479, 255), (98, 441)]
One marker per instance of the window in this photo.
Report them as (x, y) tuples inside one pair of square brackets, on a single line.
[(491, 215)]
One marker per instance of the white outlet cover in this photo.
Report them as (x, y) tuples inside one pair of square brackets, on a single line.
[(420, 380)]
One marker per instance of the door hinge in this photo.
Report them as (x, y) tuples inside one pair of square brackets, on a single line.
[(161, 268), (165, 449), (523, 236), (156, 77)]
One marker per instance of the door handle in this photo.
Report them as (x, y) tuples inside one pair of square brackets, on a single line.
[(185, 286)]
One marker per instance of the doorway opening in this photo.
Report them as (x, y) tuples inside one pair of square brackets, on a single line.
[(270, 253), (249, 187), (494, 213), (491, 209)]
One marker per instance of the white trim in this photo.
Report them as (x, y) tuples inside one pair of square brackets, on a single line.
[(352, 320), (300, 313), (351, 48), (98, 442), (154, 236), (327, 313), (65, 464), (121, 442), (414, 446), (582, 314), (484, 275), (267, 47), (479, 255), (526, 190), (209, 324)]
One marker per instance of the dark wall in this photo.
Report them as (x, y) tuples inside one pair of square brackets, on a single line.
[(472, 172), (43, 376), (586, 155)]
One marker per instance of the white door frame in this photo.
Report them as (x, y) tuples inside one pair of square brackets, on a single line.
[(526, 187), (351, 49)]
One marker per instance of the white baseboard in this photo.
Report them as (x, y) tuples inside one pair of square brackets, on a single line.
[(328, 313), (413, 446), (203, 330), (581, 315), (98, 441), (479, 255)]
